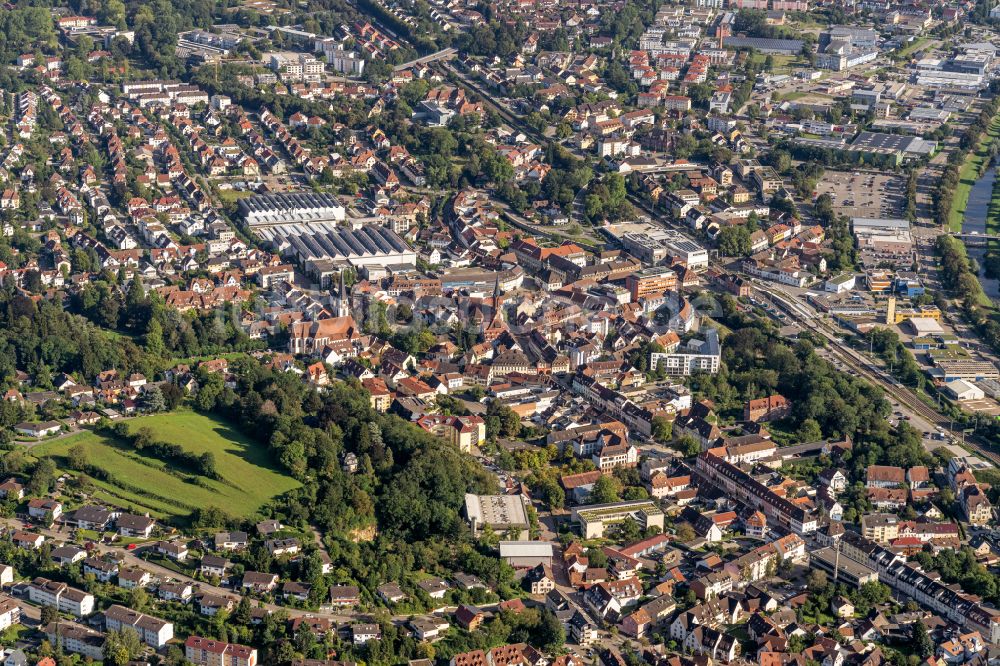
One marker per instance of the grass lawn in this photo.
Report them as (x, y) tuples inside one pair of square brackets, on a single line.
[(913, 46), (12, 634), (805, 21), (722, 328), (739, 632), (148, 484), (993, 214), (968, 175), (168, 563), (89, 535), (782, 432), (783, 63), (780, 62), (229, 196)]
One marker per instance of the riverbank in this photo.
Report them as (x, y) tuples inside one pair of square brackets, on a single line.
[(988, 256), (980, 213), (992, 222), (974, 165)]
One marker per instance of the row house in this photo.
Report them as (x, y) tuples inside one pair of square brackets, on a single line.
[(61, 596), (152, 631)]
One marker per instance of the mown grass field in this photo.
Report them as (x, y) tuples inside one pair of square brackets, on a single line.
[(229, 196), (969, 174), (782, 63), (249, 480), (913, 46)]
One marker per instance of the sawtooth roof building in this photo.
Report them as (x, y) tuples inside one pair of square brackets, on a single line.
[(369, 245), (291, 208)]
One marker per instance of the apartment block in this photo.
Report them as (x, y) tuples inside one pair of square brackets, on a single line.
[(208, 652)]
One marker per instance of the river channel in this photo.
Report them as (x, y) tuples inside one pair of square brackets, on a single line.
[(975, 222)]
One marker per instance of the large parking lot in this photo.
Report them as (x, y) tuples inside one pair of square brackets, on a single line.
[(864, 194)]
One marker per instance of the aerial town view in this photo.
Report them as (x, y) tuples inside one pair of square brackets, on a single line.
[(507, 333)]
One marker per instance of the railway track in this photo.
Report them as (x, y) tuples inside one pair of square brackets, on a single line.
[(851, 359), (859, 366), (911, 401)]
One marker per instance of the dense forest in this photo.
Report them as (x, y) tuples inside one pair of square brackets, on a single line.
[(410, 483), (105, 328)]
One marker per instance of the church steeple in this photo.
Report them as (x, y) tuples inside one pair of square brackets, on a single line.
[(496, 325), (496, 294), (343, 300)]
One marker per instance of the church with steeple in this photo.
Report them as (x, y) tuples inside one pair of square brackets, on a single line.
[(343, 297), (496, 325)]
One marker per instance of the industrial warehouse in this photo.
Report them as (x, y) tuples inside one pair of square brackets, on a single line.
[(265, 210), (367, 246)]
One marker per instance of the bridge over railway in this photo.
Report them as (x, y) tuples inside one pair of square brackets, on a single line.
[(443, 54)]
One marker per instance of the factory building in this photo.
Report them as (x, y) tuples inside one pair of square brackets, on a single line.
[(291, 208)]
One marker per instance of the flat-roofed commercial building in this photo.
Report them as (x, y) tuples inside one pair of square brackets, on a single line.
[(595, 518), (764, 45), (644, 247), (929, 114), (500, 512), (864, 38), (476, 281), (692, 254), (844, 568), (653, 280), (897, 145), (969, 369), (843, 47), (958, 82), (884, 241), (883, 235), (521, 554), (653, 245)]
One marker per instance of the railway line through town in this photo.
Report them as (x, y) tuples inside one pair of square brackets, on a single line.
[(848, 357), (862, 367)]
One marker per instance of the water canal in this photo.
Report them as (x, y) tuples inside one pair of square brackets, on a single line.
[(974, 221)]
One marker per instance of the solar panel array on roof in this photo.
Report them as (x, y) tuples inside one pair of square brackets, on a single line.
[(367, 245), (790, 46), (290, 200), (291, 208)]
